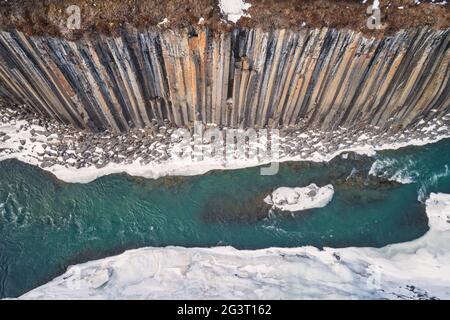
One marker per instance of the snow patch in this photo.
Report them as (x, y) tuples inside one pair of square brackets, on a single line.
[(438, 211), (165, 21), (234, 9), (298, 199), (376, 4)]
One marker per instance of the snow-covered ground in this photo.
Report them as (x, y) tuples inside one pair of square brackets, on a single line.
[(234, 9), (410, 270), (298, 199), (23, 146)]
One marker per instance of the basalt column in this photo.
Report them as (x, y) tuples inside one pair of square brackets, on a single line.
[(317, 78)]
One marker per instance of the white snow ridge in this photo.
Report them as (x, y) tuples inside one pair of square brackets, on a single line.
[(410, 270), (234, 9), (298, 199)]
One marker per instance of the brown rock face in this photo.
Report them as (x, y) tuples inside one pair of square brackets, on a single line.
[(120, 70), (321, 78)]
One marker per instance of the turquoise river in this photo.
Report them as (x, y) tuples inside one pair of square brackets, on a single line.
[(47, 225)]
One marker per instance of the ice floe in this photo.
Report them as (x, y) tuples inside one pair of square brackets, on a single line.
[(298, 199)]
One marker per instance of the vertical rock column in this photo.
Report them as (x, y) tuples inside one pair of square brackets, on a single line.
[(319, 78)]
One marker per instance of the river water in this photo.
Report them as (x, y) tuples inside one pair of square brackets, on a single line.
[(46, 224)]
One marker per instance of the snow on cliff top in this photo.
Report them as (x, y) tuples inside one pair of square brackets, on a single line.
[(298, 199), (234, 9)]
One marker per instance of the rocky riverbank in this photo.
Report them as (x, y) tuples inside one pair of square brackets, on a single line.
[(63, 149)]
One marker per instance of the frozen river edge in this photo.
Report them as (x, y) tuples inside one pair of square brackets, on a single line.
[(418, 269)]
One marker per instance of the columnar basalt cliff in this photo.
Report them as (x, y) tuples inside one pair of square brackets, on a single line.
[(244, 77)]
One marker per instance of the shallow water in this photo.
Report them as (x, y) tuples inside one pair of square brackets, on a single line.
[(46, 225)]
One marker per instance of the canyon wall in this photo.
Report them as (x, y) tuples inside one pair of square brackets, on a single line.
[(317, 78)]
